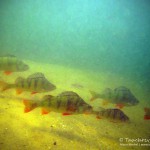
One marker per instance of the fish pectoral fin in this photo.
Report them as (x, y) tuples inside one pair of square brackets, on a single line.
[(45, 111), (18, 91), (120, 106), (7, 72), (66, 113), (32, 93), (29, 105)]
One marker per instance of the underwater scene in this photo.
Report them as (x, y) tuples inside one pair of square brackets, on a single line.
[(74, 75)]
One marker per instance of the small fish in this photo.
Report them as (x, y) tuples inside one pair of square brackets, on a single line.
[(35, 83), (10, 63), (67, 103), (147, 113), (120, 96), (114, 115), (78, 86)]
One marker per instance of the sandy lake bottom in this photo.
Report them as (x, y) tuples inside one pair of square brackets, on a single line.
[(33, 131)]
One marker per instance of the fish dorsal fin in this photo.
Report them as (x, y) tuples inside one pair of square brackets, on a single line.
[(122, 88), (36, 75)]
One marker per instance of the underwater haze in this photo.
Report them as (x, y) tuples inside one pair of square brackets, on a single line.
[(80, 45), (97, 35)]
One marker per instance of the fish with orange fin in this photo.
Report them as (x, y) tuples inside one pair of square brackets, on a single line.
[(67, 103), (35, 83), (114, 115), (120, 96), (147, 113), (10, 63)]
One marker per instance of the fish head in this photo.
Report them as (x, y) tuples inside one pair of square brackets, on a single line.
[(21, 66), (133, 102), (49, 86)]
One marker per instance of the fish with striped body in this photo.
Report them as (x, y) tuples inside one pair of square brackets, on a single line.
[(10, 63), (120, 96), (67, 103), (114, 115), (35, 83)]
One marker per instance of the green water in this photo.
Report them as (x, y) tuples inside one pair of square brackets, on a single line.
[(109, 38), (100, 35)]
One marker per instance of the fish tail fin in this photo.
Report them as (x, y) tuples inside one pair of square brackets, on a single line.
[(100, 108), (4, 85), (94, 95), (45, 111), (48, 97), (97, 111), (7, 72), (147, 113), (29, 105)]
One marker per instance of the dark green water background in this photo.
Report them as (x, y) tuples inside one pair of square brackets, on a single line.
[(98, 35)]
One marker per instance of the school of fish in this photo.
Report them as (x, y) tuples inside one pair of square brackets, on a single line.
[(67, 102)]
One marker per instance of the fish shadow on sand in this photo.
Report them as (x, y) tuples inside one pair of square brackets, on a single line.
[(69, 135), (61, 133)]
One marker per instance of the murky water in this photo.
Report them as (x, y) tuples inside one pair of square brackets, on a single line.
[(79, 46)]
